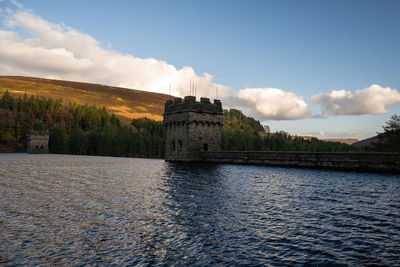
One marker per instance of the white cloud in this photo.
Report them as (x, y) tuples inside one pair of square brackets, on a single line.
[(17, 4), (58, 51), (371, 100), (269, 104)]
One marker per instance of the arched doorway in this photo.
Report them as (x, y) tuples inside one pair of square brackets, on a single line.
[(173, 146), (205, 147)]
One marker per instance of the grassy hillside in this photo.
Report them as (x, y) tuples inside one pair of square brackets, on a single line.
[(368, 142), (247, 134), (127, 104), (348, 141)]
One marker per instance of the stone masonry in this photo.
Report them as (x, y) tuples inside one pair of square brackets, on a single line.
[(192, 127), (38, 142)]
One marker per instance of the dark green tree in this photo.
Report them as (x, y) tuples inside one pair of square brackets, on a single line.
[(78, 142), (57, 140), (389, 140)]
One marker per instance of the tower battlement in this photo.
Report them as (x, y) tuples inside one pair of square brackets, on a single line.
[(189, 103), (191, 127)]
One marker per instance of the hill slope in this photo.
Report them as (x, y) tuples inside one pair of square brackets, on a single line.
[(127, 104), (348, 141), (367, 142)]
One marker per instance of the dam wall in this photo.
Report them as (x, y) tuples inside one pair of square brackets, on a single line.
[(351, 161)]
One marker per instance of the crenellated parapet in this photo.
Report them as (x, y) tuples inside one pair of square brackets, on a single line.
[(189, 103)]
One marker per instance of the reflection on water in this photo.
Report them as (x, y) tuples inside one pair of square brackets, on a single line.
[(71, 210)]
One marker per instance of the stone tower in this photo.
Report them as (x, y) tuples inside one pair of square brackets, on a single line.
[(38, 142), (192, 127)]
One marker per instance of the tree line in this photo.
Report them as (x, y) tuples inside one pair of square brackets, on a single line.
[(240, 132), (76, 129), (89, 130)]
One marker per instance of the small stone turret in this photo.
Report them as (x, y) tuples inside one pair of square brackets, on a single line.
[(192, 127), (38, 142)]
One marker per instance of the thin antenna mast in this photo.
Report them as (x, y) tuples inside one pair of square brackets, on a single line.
[(169, 89), (194, 87)]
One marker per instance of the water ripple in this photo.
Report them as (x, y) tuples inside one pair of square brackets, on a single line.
[(78, 210)]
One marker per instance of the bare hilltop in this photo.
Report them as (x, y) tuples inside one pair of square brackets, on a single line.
[(125, 103)]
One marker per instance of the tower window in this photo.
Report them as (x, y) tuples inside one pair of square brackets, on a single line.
[(179, 146), (205, 147), (173, 146)]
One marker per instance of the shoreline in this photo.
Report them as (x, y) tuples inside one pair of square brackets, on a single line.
[(373, 162)]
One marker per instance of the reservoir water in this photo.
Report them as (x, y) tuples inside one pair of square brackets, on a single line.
[(80, 210)]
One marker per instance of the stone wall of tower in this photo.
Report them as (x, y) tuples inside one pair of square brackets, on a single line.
[(192, 127), (38, 142)]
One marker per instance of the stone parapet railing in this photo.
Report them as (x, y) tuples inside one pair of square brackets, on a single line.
[(368, 162)]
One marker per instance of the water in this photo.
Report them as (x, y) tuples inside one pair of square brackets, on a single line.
[(75, 210)]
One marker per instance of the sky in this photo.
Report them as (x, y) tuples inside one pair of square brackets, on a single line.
[(330, 69)]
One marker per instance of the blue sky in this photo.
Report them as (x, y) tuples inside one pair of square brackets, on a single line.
[(300, 48)]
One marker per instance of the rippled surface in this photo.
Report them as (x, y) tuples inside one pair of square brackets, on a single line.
[(71, 210)]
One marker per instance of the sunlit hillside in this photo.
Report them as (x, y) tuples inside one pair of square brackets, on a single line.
[(127, 104)]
